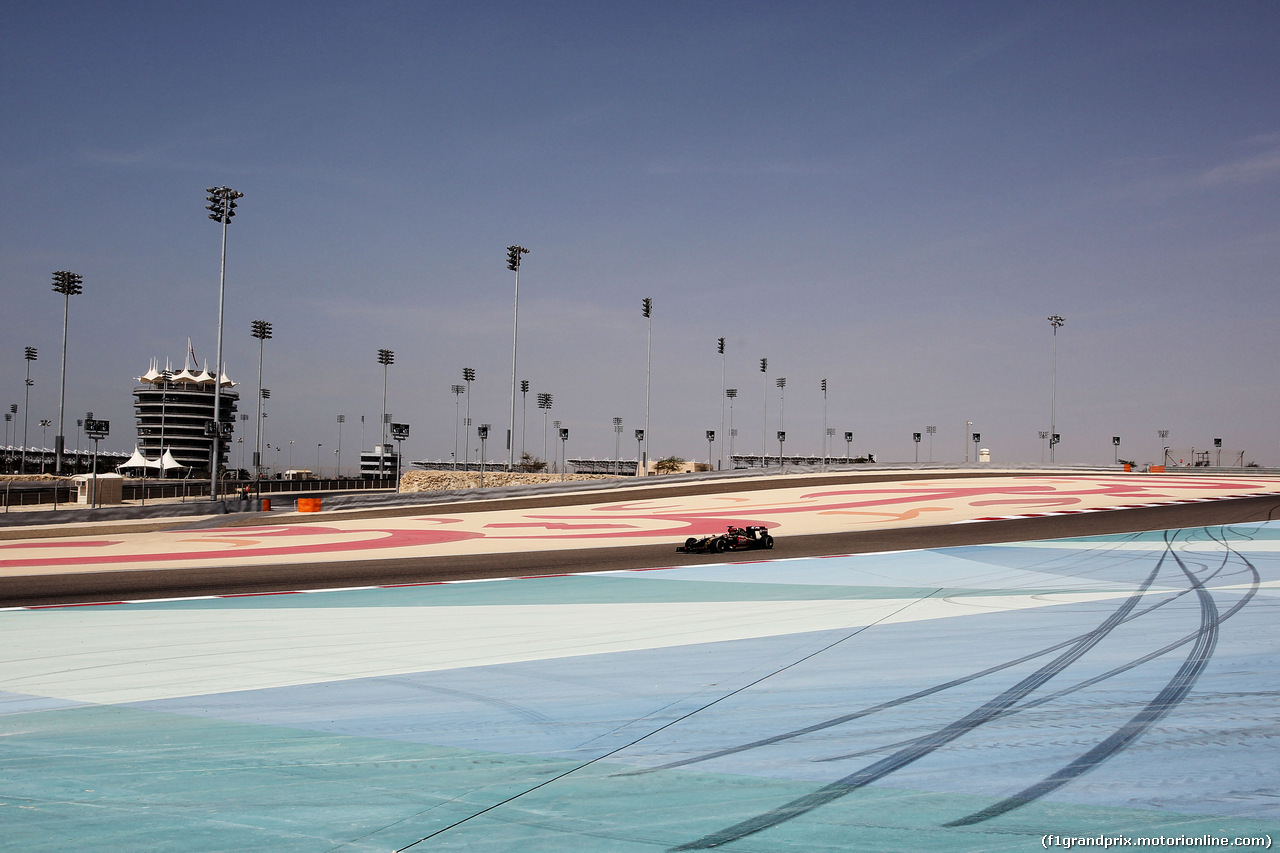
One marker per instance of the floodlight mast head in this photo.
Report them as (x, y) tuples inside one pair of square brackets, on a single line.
[(513, 257), (720, 346), (67, 283), (646, 306), (261, 330), (222, 203)]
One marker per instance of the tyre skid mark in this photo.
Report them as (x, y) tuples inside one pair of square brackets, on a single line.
[(1010, 702)]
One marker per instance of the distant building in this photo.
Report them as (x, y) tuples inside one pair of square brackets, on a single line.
[(380, 463), (175, 413)]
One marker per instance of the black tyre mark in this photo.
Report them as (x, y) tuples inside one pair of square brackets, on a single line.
[(1172, 695), (901, 700), (932, 742)]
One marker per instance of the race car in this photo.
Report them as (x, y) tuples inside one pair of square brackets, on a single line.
[(734, 539)]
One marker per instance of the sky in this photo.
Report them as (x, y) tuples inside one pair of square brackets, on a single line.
[(891, 196)]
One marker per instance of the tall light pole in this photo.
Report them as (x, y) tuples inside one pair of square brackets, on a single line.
[(720, 346), (564, 462), (965, 439), (1163, 433), (932, 431), (513, 264), (1056, 322), (617, 445), (221, 207), (68, 284), (1044, 436), (524, 413), (556, 426), (544, 403), (337, 464), (468, 376), (261, 330), (646, 305), (456, 390), (730, 394), (826, 432), (781, 382), (264, 394), (44, 442), (386, 358), (30, 355), (167, 376), (764, 413)]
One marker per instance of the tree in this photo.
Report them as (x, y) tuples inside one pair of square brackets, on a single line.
[(670, 465), (530, 464)]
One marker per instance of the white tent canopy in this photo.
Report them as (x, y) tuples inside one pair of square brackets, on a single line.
[(166, 462)]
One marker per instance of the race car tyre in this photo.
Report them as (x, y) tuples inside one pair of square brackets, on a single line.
[(766, 541), (690, 542), (715, 546)]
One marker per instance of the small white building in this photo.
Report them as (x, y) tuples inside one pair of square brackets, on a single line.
[(99, 489)]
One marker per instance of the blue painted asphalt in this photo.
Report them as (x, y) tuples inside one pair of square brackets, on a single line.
[(956, 699)]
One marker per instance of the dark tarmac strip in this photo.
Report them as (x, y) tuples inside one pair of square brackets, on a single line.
[(94, 587)]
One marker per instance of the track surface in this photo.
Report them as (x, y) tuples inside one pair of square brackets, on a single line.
[(983, 696), (810, 516)]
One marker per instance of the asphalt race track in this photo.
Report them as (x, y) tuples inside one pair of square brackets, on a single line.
[(26, 584), (935, 665)]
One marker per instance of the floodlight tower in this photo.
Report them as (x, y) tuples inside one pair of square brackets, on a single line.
[(386, 358), (781, 382), (69, 285), (44, 441), (544, 403), (524, 412), (261, 330), (720, 347), (513, 264), (825, 431), (617, 445), (221, 207), (337, 465), (1057, 323), (730, 394), (30, 355), (468, 376), (646, 305), (764, 415), (456, 390)]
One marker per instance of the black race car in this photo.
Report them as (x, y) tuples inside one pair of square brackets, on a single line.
[(735, 539)]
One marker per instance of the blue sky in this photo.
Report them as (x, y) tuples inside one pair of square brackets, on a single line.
[(891, 196)]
